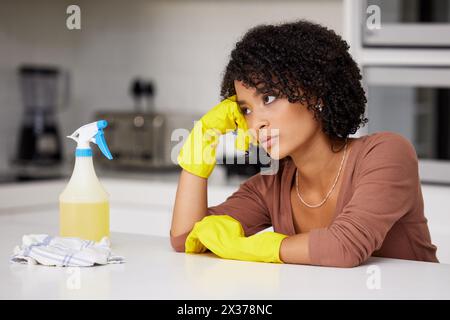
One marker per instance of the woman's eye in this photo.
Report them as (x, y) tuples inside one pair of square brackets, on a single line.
[(245, 111), (269, 99)]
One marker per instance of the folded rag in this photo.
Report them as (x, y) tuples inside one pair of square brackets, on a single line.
[(63, 251)]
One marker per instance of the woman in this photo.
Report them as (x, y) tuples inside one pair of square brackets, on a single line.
[(335, 200)]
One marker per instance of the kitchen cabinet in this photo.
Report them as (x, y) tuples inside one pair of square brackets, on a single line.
[(136, 206)]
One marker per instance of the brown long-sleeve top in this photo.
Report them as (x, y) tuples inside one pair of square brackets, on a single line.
[(379, 209)]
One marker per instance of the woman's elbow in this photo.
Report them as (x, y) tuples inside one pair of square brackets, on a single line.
[(177, 248), (346, 260), (177, 242), (348, 263), (343, 259)]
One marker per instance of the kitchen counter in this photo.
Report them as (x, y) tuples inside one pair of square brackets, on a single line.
[(144, 206), (154, 271)]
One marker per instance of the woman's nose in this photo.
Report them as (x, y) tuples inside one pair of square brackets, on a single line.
[(258, 125)]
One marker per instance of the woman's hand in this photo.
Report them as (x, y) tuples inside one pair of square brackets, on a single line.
[(224, 236), (198, 154)]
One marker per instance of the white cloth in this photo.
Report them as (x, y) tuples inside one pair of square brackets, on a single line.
[(63, 251)]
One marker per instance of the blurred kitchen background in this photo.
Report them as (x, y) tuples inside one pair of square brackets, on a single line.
[(149, 67)]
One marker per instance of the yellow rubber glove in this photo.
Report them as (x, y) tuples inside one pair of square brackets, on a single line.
[(224, 236), (198, 154)]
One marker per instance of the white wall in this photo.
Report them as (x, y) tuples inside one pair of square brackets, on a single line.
[(182, 45)]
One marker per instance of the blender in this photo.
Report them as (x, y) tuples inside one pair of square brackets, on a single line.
[(39, 150)]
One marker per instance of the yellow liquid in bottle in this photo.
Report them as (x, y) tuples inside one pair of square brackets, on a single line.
[(88, 221)]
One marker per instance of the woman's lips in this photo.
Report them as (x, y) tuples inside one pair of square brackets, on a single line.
[(269, 142)]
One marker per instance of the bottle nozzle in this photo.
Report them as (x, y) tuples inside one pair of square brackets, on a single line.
[(92, 132), (102, 124)]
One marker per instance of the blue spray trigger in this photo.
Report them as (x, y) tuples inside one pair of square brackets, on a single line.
[(101, 142), (101, 124)]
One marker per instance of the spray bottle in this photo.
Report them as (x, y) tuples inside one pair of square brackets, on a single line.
[(84, 203)]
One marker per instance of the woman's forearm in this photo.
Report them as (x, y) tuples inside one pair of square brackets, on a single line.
[(191, 203), (294, 249)]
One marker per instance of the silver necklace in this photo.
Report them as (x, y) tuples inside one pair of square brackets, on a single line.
[(329, 192)]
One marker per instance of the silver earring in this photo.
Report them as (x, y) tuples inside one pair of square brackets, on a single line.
[(319, 107)]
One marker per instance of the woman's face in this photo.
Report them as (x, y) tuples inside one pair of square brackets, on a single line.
[(290, 125)]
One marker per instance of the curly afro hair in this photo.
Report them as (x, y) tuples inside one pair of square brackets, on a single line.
[(301, 61)]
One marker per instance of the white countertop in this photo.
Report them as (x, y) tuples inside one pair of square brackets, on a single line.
[(154, 271)]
